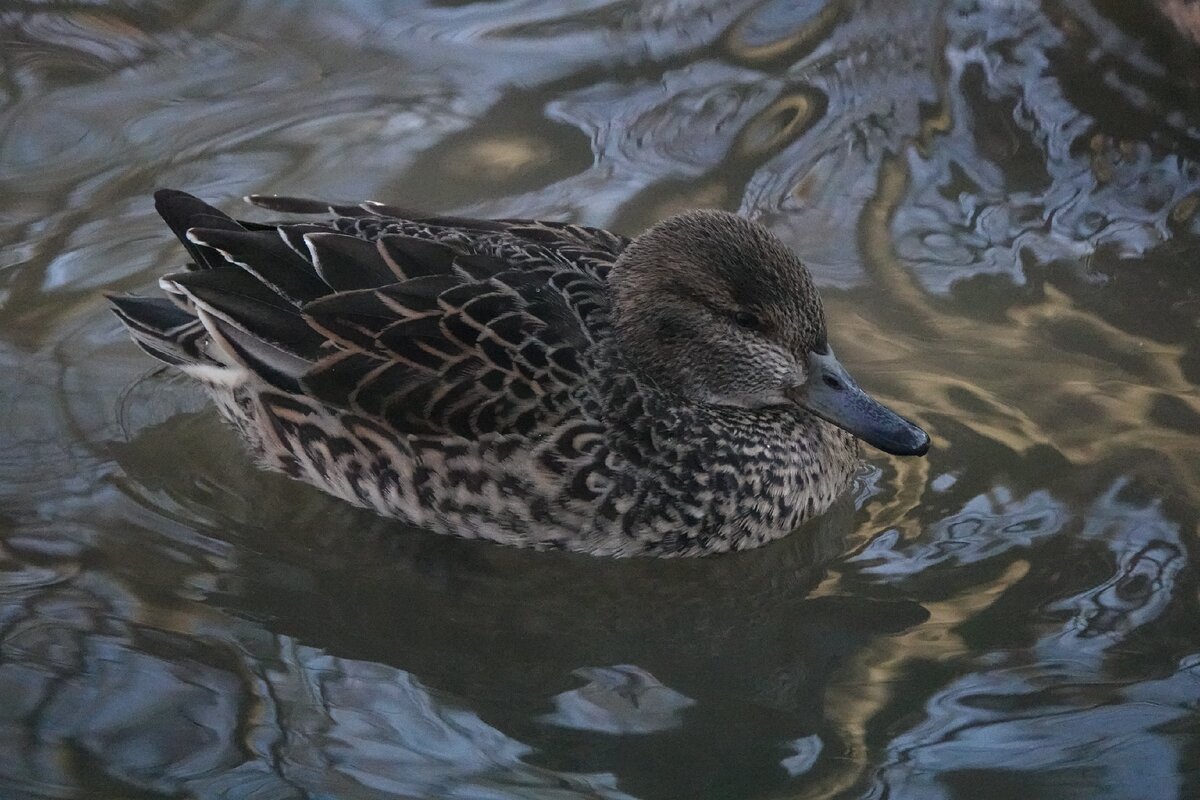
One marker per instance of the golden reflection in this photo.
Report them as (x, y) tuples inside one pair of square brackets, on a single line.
[(495, 159), (710, 194), (1020, 381), (107, 26), (779, 123), (1185, 209), (789, 42), (867, 682), (1022, 371)]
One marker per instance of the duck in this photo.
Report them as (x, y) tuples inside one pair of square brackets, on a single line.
[(534, 383)]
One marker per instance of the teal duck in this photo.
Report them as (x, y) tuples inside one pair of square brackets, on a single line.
[(535, 383)]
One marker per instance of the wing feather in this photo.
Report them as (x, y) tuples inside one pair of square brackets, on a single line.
[(427, 324)]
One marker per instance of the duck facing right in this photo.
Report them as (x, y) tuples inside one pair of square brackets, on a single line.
[(537, 384)]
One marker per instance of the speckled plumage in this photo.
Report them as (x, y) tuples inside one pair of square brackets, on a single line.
[(532, 383)]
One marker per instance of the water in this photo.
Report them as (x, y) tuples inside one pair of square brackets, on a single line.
[(1000, 201)]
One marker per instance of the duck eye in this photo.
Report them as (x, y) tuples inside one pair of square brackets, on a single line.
[(745, 319)]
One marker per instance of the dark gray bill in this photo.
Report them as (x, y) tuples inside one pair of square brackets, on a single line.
[(832, 395)]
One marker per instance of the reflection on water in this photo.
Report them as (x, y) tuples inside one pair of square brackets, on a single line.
[(1001, 200)]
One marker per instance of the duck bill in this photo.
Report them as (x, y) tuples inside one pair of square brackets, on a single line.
[(832, 395)]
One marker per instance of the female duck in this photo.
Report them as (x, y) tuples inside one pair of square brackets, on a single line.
[(533, 383)]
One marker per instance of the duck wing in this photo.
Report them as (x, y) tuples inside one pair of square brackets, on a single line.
[(431, 325)]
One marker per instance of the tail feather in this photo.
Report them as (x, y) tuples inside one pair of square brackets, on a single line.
[(265, 255), (162, 329), (182, 212), (235, 306)]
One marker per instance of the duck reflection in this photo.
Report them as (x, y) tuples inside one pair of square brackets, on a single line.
[(350, 653), (690, 676)]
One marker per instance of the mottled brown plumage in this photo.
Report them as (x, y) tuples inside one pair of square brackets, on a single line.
[(533, 383)]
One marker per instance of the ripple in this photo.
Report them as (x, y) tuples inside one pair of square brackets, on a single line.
[(624, 699), (1093, 189), (239, 714), (987, 526)]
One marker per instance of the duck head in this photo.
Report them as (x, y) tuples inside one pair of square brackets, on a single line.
[(716, 308)]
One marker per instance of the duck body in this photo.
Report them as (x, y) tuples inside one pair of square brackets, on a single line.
[(486, 379)]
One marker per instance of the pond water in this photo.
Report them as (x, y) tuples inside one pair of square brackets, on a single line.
[(1001, 201)]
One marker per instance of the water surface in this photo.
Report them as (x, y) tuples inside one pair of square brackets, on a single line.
[(1000, 201)]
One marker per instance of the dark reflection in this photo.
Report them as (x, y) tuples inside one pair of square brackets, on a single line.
[(220, 708), (674, 675)]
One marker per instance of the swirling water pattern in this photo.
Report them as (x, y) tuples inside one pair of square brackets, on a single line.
[(1000, 199)]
